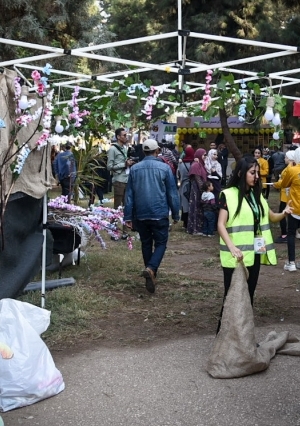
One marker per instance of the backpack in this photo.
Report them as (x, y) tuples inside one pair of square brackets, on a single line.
[(169, 163)]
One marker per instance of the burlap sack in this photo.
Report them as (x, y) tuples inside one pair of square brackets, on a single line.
[(235, 352)]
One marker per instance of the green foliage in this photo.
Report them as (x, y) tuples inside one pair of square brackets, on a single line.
[(87, 165), (61, 24)]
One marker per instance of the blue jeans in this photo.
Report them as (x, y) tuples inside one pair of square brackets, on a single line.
[(209, 221), (153, 232)]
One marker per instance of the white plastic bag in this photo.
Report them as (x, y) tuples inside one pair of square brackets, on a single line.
[(30, 375)]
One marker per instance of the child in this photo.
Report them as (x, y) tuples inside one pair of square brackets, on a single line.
[(209, 209)]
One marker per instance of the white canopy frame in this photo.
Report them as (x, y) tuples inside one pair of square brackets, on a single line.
[(181, 67)]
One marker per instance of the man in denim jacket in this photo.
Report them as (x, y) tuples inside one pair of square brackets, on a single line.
[(150, 194)]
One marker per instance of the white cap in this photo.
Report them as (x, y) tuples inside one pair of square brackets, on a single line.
[(290, 155), (150, 145)]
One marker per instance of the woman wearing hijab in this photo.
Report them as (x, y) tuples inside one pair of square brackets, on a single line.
[(198, 176), (214, 171), (184, 183)]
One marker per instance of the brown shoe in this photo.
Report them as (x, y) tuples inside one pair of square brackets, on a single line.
[(150, 279)]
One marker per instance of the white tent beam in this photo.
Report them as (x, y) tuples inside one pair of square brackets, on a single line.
[(55, 71), (103, 77), (180, 44), (286, 72), (76, 82), (279, 85), (295, 98), (283, 78), (23, 76), (276, 76), (29, 59), (123, 61), (19, 43), (232, 70), (126, 42), (252, 43), (111, 94), (242, 61)]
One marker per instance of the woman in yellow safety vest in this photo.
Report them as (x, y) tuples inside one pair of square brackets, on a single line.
[(243, 224)]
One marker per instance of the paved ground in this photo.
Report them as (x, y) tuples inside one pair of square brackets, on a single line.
[(166, 384)]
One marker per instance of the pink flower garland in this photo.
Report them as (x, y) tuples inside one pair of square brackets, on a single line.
[(152, 99), (76, 114), (39, 84), (17, 94), (43, 139), (207, 98)]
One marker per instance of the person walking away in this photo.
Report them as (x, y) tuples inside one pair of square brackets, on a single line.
[(184, 184), (289, 160), (263, 168), (150, 194), (279, 163), (198, 176), (209, 209), (267, 156), (223, 160), (169, 156), (118, 164), (244, 225), (291, 180), (65, 170), (99, 188)]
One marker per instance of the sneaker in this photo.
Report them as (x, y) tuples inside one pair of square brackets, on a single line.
[(150, 279), (290, 266), (298, 234), (210, 236), (124, 237), (280, 240), (114, 238), (198, 233)]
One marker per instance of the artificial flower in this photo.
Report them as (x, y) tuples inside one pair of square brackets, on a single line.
[(207, 98)]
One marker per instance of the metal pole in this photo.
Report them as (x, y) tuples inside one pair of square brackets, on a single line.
[(43, 289), (179, 10)]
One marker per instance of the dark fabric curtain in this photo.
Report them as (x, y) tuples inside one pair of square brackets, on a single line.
[(20, 258)]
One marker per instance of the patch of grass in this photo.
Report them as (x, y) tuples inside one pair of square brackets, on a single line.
[(109, 300), (110, 294)]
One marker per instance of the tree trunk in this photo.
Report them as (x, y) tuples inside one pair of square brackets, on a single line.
[(228, 138)]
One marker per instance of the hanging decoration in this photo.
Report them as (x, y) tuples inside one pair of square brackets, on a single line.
[(76, 114), (152, 99), (243, 92), (207, 98)]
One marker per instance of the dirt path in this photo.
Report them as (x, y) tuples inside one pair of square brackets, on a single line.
[(198, 258)]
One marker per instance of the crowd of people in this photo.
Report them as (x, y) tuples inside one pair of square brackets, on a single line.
[(152, 180)]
